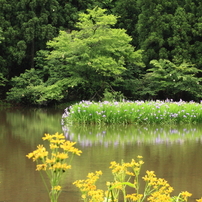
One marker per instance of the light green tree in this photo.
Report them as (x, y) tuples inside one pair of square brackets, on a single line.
[(85, 62), (96, 55)]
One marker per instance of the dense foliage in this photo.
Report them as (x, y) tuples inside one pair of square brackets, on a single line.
[(56, 51)]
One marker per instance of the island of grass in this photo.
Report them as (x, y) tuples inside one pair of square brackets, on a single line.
[(134, 112)]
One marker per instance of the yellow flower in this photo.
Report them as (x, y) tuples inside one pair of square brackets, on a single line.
[(54, 146), (60, 155), (47, 137), (185, 195), (159, 197), (83, 196), (88, 184), (199, 200), (40, 153), (113, 164), (141, 162), (59, 136), (96, 195), (134, 197), (57, 141), (41, 167), (58, 188), (68, 146), (150, 176), (108, 184), (30, 155), (50, 161), (60, 167), (130, 173)]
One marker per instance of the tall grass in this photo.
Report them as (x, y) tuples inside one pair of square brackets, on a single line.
[(137, 112)]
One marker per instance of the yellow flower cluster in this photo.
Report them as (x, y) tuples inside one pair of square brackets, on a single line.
[(88, 188), (58, 188), (158, 188), (134, 197), (121, 170), (55, 161), (185, 195), (39, 153), (155, 190)]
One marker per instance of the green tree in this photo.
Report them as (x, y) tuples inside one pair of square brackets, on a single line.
[(28, 24), (193, 10), (128, 12), (180, 41), (87, 61), (1, 35), (174, 81), (154, 28)]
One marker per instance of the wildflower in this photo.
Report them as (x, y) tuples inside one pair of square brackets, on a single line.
[(140, 157), (40, 153), (60, 155), (55, 164), (50, 161), (58, 188), (68, 146), (130, 173), (97, 195), (134, 197), (41, 167), (159, 197), (47, 137), (60, 167), (54, 146), (57, 141), (185, 195)]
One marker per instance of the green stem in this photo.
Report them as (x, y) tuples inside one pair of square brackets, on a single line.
[(44, 181)]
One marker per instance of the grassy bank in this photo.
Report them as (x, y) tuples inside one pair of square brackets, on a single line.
[(137, 112)]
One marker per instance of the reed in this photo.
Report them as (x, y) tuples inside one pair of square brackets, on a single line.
[(134, 112)]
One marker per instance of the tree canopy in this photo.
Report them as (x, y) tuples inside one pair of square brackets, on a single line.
[(90, 58), (90, 49)]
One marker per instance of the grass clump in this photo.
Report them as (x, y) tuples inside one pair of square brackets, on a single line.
[(137, 112)]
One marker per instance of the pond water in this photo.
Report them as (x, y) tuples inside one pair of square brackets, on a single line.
[(173, 152)]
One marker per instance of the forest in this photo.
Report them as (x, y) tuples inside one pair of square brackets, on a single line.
[(56, 51)]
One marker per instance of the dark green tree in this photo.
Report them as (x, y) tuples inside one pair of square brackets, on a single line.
[(154, 28), (180, 42), (128, 12), (28, 24)]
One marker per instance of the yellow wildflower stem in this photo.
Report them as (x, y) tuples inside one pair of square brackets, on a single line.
[(42, 177)]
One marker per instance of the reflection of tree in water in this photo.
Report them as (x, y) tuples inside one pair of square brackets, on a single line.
[(30, 124)]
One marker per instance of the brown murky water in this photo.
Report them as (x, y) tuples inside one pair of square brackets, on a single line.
[(174, 153)]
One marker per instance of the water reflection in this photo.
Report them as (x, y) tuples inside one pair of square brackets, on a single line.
[(173, 152), (124, 135)]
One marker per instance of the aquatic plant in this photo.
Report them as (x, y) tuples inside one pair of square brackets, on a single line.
[(54, 162), (137, 112)]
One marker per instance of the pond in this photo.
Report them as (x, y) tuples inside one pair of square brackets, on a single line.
[(173, 152)]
